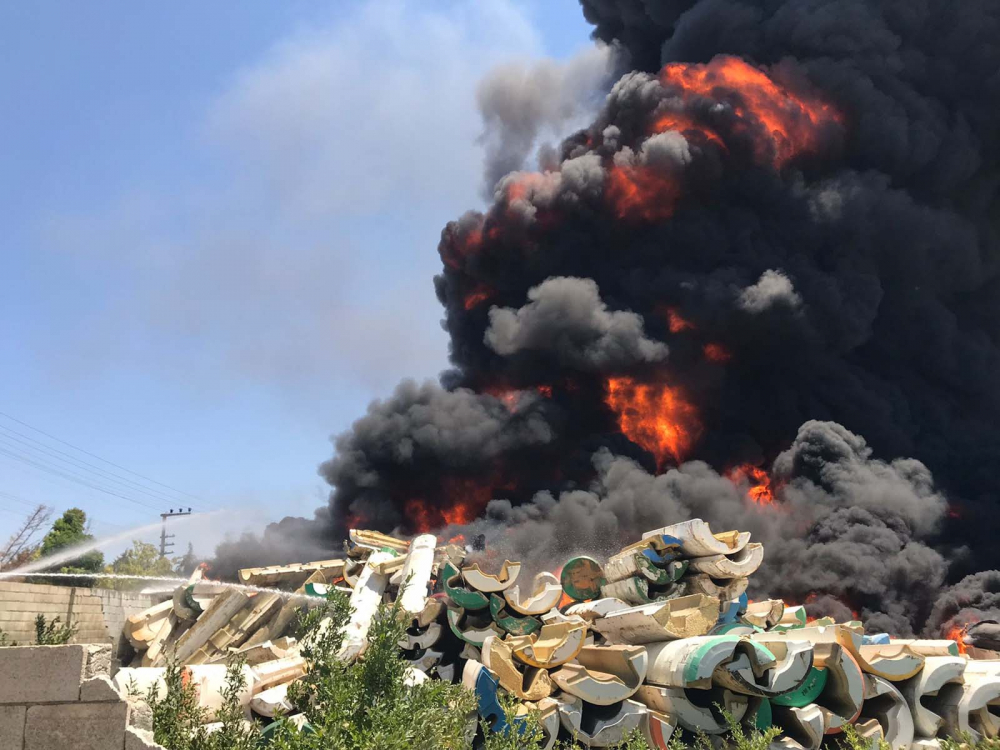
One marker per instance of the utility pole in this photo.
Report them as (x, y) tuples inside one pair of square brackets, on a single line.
[(166, 547)]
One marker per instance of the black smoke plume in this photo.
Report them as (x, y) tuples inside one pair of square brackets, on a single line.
[(780, 233)]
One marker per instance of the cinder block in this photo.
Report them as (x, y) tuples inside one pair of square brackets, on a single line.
[(99, 689), (41, 674), (98, 660), (139, 739), (12, 727), (81, 726)]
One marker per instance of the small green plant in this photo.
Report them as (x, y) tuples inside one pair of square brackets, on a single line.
[(177, 718), (235, 733), (851, 739), (52, 633), (5, 639)]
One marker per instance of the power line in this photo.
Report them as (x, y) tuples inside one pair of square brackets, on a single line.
[(10, 496), (17, 499), (94, 455), (11, 464), (104, 474), (71, 476)]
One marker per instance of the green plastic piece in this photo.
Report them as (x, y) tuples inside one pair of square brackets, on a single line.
[(763, 719), (801, 621), (317, 589), (676, 569), (511, 623), (693, 664), (582, 578), (189, 599), (478, 626), (805, 693), (464, 597), (651, 573), (640, 586)]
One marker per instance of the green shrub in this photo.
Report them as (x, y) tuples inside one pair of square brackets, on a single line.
[(52, 633), (850, 739), (178, 720), (368, 704), (5, 639)]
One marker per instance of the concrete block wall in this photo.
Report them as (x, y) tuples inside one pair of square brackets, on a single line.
[(55, 697), (100, 613)]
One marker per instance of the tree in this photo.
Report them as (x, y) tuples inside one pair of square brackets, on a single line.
[(141, 559), (185, 566), (20, 549), (68, 531)]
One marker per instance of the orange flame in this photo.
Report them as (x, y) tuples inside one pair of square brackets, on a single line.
[(676, 323), (461, 501), (686, 125), (637, 192), (655, 416), (956, 634), (460, 244), (511, 397), (761, 491), (716, 353), (783, 124), (479, 293)]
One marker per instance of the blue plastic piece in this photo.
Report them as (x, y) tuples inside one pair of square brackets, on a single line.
[(489, 706), (876, 639), (671, 553), (730, 612), (733, 609)]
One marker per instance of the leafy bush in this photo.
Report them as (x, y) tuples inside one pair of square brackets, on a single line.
[(850, 739), (178, 720), (46, 633), (5, 639), (52, 633), (370, 703)]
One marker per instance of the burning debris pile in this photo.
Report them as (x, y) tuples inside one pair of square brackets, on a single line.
[(657, 637)]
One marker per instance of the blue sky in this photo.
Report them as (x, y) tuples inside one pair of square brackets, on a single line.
[(219, 233)]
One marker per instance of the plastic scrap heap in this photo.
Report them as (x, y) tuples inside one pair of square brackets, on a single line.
[(658, 637)]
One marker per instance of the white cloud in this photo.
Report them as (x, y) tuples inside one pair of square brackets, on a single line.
[(303, 260), (378, 109)]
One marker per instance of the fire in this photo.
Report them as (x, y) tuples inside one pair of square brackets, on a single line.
[(460, 243), (761, 491), (655, 416), (479, 293), (511, 397), (637, 192), (676, 323), (522, 184), (956, 634), (716, 353), (686, 126), (783, 124), (461, 500)]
